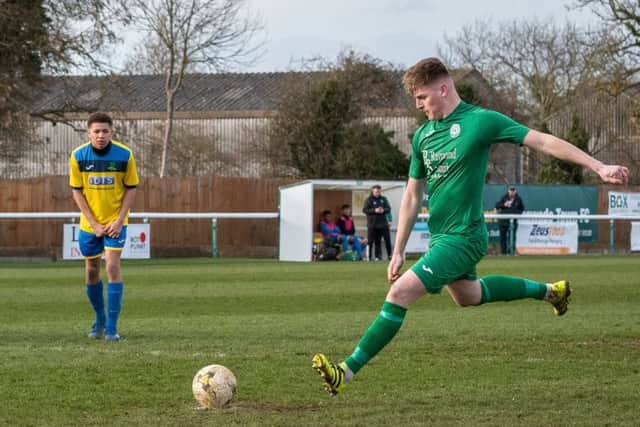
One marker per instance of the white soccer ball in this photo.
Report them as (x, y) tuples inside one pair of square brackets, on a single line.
[(214, 386)]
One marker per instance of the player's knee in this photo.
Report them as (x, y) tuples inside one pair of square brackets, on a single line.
[(93, 276), (394, 293), (113, 272), (398, 297), (404, 293), (93, 271)]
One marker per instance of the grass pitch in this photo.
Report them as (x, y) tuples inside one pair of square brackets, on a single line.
[(502, 364)]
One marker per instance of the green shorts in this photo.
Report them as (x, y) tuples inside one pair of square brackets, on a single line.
[(450, 258)]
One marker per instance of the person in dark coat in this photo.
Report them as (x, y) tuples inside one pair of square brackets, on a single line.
[(376, 207), (510, 203)]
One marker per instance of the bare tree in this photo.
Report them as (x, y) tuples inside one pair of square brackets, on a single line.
[(544, 66), (539, 63), (190, 35), (621, 20), (624, 19), (81, 34)]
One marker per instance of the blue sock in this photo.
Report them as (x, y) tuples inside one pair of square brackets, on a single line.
[(94, 292), (114, 301)]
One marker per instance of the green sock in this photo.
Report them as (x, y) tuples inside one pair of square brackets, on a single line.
[(379, 334), (508, 288)]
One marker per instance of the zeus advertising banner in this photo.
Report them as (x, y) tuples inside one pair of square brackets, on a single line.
[(137, 246), (547, 238)]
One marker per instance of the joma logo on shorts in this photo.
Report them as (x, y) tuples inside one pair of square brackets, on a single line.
[(102, 180)]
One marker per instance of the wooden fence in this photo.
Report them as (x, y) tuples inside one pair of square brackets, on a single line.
[(236, 237)]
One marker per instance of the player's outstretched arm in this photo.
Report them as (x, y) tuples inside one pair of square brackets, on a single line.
[(563, 150)]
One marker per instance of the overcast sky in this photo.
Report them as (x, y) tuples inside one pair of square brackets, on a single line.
[(396, 31)]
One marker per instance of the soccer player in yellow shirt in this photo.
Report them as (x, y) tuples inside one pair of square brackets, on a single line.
[(103, 179)]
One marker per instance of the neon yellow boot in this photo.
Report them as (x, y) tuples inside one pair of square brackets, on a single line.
[(332, 374)]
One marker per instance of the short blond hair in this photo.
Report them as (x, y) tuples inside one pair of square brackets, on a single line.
[(423, 73)]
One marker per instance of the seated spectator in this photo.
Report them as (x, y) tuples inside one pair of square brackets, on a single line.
[(328, 228), (331, 235), (348, 229)]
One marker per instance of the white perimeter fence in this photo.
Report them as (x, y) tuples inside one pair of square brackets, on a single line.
[(214, 216)]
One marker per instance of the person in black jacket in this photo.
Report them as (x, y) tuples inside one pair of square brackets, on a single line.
[(376, 207), (510, 203)]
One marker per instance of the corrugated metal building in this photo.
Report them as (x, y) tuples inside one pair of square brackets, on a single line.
[(612, 123), (221, 121)]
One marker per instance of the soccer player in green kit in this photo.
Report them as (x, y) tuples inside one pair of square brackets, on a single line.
[(450, 154)]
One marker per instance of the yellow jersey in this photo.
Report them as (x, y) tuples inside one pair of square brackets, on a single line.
[(103, 176)]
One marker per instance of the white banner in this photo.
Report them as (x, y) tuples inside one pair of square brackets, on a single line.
[(547, 238), (138, 244), (418, 238), (624, 203), (635, 236)]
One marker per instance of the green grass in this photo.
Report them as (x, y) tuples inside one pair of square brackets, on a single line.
[(503, 364)]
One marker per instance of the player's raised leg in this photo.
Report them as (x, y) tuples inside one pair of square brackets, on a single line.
[(508, 288), (402, 293)]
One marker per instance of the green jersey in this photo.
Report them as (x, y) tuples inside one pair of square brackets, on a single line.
[(452, 155)]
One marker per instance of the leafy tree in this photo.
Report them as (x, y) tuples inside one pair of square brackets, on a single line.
[(368, 153), (320, 130), (556, 171), (46, 36), (53, 36), (23, 42)]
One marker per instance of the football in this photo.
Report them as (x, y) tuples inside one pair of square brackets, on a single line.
[(214, 386)]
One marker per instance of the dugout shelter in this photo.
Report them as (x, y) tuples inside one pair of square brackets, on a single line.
[(301, 203)]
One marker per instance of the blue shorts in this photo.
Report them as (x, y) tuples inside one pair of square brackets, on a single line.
[(92, 246)]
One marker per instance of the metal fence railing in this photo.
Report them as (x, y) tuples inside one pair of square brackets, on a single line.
[(215, 216), (146, 216)]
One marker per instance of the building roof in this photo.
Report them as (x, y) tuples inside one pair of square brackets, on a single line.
[(146, 93), (222, 92)]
